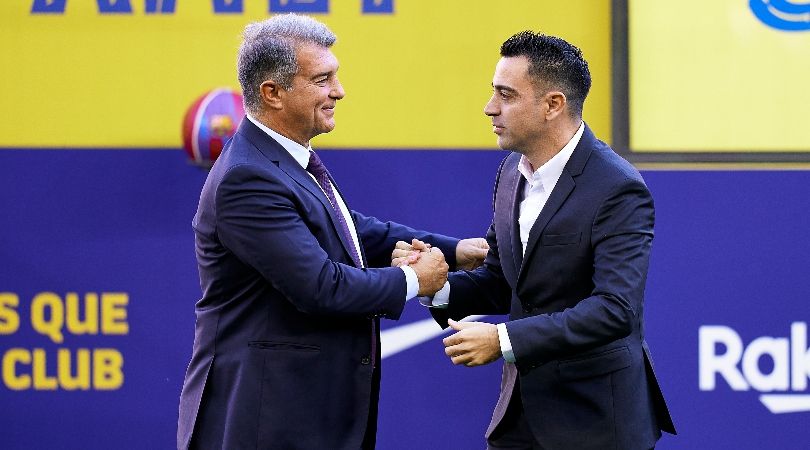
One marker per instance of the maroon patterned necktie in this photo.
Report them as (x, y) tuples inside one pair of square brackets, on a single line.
[(318, 170)]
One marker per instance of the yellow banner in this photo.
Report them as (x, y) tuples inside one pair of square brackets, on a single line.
[(721, 75), (417, 73)]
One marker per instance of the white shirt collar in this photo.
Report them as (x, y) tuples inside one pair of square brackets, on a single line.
[(548, 174), (298, 151)]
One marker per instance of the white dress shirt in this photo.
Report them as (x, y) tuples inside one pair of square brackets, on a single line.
[(301, 156), (539, 185)]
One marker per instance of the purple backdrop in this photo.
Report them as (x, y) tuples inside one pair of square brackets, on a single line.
[(730, 251)]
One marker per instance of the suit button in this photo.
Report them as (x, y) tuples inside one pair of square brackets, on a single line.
[(365, 360)]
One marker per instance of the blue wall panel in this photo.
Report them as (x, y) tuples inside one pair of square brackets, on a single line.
[(730, 250)]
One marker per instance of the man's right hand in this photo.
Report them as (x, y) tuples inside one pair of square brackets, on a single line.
[(405, 254), (431, 270)]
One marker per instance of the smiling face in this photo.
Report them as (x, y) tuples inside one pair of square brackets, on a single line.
[(518, 113), (308, 107)]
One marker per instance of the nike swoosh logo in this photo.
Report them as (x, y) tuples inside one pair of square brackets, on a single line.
[(788, 403), (401, 338)]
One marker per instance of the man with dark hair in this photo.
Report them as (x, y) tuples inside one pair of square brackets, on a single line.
[(286, 348), (569, 250)]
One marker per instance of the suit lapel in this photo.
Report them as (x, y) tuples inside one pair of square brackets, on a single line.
[(506, 213), (302, 177), (276, 153), (517, 245), (565, 185), (353, 224)]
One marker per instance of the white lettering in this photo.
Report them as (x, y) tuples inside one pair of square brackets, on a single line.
[(791, 360), (800, 356), (777, 349), (724, 364)]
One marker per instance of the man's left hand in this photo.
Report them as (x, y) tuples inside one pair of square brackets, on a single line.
[(473, 344), (470, 253)]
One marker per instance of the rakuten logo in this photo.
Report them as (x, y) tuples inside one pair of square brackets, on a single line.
[(790, 372)]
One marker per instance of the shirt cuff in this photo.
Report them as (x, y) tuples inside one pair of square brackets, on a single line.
[(413, 282), (440, 299), (506, 344)]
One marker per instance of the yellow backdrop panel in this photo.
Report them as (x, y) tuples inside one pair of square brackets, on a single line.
[(709, 76), (417, 78)]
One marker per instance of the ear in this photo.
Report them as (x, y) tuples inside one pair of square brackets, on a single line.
[(556, 103), (271, 94)]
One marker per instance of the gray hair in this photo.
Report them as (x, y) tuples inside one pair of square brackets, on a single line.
[(268, 52)]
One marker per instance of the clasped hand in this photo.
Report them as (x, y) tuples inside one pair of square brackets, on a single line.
[(474, 343), (428, 263), (470, 253)]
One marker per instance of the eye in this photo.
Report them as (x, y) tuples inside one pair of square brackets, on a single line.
[(503, 94)]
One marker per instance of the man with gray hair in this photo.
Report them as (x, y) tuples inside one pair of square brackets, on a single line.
[(286, 350)]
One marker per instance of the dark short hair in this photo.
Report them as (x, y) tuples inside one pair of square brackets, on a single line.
[(553, 63)]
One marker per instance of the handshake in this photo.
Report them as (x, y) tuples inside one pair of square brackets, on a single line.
[(429, 263)]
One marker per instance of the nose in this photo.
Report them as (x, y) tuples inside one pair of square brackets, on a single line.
[(337, 92), (491, 108)]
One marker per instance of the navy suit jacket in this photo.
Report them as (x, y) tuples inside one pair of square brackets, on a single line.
[(283, 336), (575, 303)]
